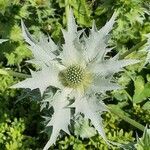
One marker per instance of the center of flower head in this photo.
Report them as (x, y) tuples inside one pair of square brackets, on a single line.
[(74, 77)]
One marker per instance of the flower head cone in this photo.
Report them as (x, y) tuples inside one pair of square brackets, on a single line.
[(82, 71)]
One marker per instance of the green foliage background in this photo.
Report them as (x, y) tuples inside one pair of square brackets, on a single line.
[(20, 117)]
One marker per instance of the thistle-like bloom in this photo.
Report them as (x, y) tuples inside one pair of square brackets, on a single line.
[(79, 72)]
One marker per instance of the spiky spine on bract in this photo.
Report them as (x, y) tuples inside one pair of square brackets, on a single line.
[(90, 55)]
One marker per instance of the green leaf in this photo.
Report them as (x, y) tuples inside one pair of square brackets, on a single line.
[(148, 77), (146, 106), (3, 5), (143, 143), (3, 72), (82, 12), (142, 90)]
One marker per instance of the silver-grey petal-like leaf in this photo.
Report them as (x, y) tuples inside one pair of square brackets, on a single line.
[(48, 76), (92, 109), (43, 49), (109, 67), (101, 85), (70, 54), (96, 44), (61, 117), (3, 40)]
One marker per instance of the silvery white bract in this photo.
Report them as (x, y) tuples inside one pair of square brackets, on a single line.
[(78, 72), (3, 40)]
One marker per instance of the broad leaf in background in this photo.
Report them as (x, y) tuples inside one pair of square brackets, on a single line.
[(142, 90), (146, 106), (82, 11)]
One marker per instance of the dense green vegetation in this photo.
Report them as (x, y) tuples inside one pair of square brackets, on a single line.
[(21, 121)]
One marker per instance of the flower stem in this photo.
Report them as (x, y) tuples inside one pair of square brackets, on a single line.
[(117, 111), (13, 73), (135, 48)]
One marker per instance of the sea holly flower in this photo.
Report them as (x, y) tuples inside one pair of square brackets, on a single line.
[(81, 70)]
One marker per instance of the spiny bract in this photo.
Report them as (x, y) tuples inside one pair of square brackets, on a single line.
[(3, 40), (78, 72)]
